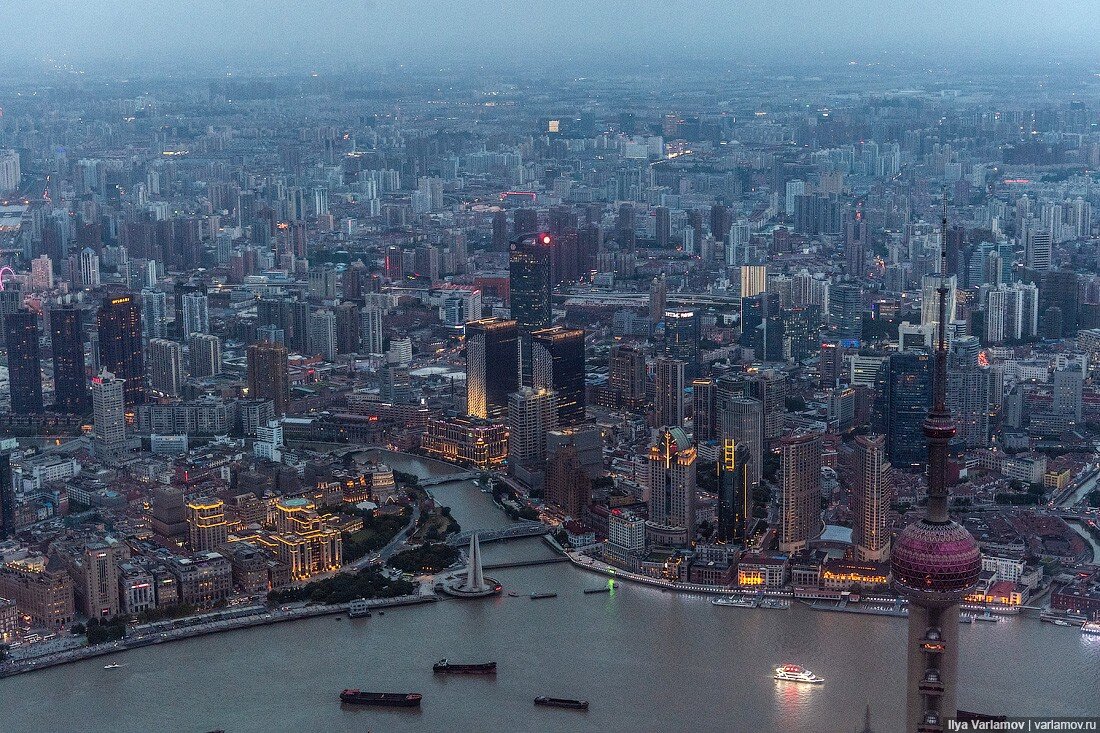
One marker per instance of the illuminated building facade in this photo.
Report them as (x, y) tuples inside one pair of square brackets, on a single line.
[(558, 364), (669, 481), (734, 494), (799, 491), (871, 496), (492, 366), (466, 440), (207, 528), (47, 597), (120, 347)]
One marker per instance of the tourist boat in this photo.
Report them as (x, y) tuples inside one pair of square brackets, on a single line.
[(561, 702), (794, 673), (445, 667), (775, 603), (536, 596), (1061, 622), (112, 666), (735, 602), (381, 699), (1091, 627)]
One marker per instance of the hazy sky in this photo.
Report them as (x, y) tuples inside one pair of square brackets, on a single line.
[(425, 31)]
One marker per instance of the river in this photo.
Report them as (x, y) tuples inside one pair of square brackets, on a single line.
[(646, 659)]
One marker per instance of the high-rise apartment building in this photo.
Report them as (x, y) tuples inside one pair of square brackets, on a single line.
[(165, 367), (268, 376), (108, 413), (120, 346), (871, 497)]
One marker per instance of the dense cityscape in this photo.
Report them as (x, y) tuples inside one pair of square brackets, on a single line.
[(786, 344)]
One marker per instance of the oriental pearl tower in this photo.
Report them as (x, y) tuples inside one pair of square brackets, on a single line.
[(935, 561)]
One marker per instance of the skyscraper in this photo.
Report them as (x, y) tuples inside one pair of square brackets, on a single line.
[(492, 366), (558, 364), (196, 314), (532, 413), (626, 373), (907, 394), (120, 351), (846, 311), (734, 494), (69, 379), (7, 497), (529, 272), (741, 419), (24, 364), (682, 338), (704, 394), (154, 309), (935, 563), (799, 491), (871, 499), (165, 367), (108, 413), (658, 297), (668, 393), (205, 355), (568, 486), (669, 482), (268, 377)]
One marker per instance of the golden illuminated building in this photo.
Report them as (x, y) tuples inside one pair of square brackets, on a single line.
[(207, 527), (466, 440)]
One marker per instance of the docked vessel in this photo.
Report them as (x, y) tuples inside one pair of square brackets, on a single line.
[(445, 667), (561, 702), (381, 699), (1091, 627), (735, 602), (536, 596), (795, 673)]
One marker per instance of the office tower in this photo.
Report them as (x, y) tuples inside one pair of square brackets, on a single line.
[(322, 334), (268, 376), (928, 306), (196, 314), (763, 327), (662, 226), (69, 379), (668, 393), (205, 355), (682, 338), (935, 563), (626, 374), (799, 491), (347, 328), (529, 275), (7, 497), (1059, 289), (207, 528), (704, 395), (99, 591), (871, 496), (907, 394), (500, 231), (668, 482), (855, 245), (1038, 249), (770, 388), (741, 419), (754, 279), (525, 223), (492, 366), (720, 222), (396, 386), (734, 494), (24, 364), (165, 367), (969, 392), (120, 348), (800, 329), (154, 308), (108, 413), (558, 364), (568, 485), (371, 330), (1066, 384), (532, 413), (830, 364), (846, 311), (658, 297), (1011, 313)]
